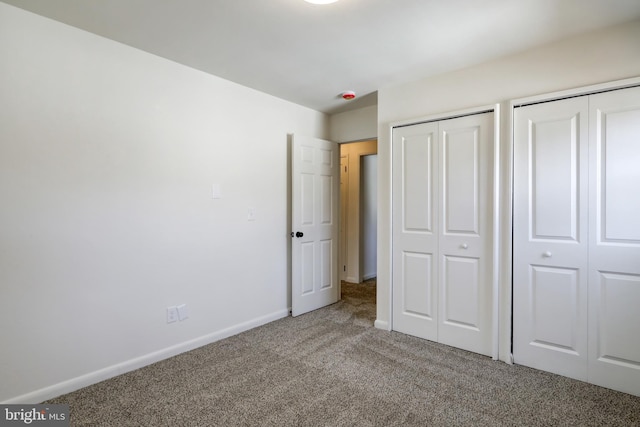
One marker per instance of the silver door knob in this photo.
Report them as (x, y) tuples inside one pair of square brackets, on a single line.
[(547, 254), (464, 246)]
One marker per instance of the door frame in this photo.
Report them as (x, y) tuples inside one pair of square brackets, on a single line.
[(495, 203), (506, 260), (354, 205)]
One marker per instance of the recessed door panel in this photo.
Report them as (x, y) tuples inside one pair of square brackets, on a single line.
[(326, 158), (308, 267), (555, 311), (307, 199), (326, 263), (554, 182), (618, 171), (461, 180), (618, 319), (417, 184), (417, 285), (326, 199), (461, 292), (306, 157)]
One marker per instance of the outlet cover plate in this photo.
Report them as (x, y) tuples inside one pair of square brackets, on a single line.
[(172, 314)]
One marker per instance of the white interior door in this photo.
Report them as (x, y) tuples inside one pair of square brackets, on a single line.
[(614, 236), (465, 232), (550, 237), (315, 195), (415, 233), (442, 219)]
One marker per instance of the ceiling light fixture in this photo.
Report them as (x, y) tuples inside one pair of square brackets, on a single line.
[(321, 1)]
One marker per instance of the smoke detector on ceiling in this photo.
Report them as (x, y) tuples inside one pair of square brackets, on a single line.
[(348, 95)]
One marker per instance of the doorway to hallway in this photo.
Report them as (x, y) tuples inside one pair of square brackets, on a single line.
[(358, 200)]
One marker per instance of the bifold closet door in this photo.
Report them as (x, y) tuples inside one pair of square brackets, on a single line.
[(442, 193), (550, 236), (465, 232), (415, 230), (614, 237), (576, 259)]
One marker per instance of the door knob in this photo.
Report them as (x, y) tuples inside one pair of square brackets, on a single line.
[(297, 234), (464, 246), (547, 254)]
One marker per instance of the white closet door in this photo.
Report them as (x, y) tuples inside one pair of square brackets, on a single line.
[(614, 252), (442, 204), (550, 236), (415, 236), (465, 231)]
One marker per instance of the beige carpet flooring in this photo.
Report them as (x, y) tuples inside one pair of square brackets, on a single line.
[(332, 368)]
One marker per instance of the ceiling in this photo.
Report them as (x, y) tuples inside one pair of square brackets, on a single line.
[(310, 54)]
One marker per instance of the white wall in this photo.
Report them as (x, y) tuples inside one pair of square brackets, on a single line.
[(597, 57), (354, 125), (369, 173), (107, 159)]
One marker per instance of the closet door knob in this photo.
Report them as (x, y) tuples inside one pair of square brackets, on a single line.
[(547, 254), (464, 246)]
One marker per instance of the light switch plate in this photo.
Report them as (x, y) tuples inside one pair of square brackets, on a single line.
[(216, 192), (182, 312), (251, 214)]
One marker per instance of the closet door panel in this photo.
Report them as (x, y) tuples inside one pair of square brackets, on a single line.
[(614, 252), (550, 236), (415, 234), (466, 192)]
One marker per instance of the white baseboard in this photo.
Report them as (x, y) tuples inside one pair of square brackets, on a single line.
[(382, 324), (369, 276), (86, 380)]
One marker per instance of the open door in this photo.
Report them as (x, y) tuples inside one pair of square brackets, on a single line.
[(315, 190)]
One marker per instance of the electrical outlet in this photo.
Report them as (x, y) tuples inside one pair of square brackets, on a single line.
[(172, 314), (182, 312), (251, 214)]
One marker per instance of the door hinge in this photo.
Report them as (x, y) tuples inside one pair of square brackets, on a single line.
[(344, 268)]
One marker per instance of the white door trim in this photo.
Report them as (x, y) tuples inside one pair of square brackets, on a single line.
[(506, 284), (496, 203)]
